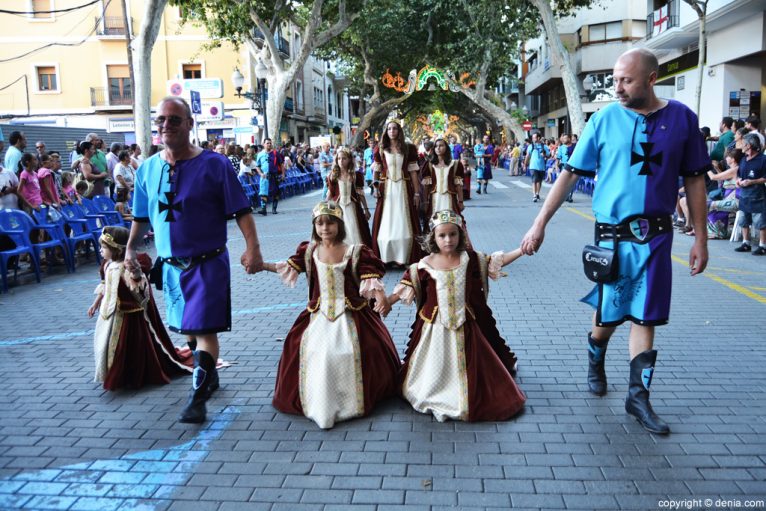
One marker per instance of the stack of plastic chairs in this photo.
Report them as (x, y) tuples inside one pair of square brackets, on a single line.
[(71, 231), (93, 224), (105, 206)]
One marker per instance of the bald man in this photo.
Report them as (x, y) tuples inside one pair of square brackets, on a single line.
[(640, 146)]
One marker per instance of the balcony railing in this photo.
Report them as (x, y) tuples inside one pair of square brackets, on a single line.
[(281, 43), (100, 97), (111, 25), (663, 19)]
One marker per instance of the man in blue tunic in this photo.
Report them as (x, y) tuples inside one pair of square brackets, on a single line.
[(269, 165), (187, 195), (640, 146)]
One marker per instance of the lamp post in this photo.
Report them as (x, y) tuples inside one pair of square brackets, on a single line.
[(587, 86), (258, 98)]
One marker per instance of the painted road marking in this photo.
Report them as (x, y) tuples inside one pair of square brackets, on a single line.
[(731, 285), (521, 184), (497, 184)]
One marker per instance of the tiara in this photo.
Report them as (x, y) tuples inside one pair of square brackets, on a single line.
[(327, 208), (445, 216), (107, 239)]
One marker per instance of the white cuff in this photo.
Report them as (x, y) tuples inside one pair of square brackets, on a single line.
[(405, 293), (368, 287), (495, 265), (287, 273)]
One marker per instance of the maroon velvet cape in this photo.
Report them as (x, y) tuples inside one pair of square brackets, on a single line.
[(139, 359)]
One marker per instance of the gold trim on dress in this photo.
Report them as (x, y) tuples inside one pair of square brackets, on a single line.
[(370, 276), (294, 265), (433, 315)]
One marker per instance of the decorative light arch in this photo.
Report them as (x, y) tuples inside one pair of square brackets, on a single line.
[(418, 80)]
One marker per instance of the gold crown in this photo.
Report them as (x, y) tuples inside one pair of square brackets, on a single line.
[(108, 240), (445, 216), (327, 208)]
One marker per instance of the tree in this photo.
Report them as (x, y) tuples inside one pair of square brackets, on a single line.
[(142, 67), (320, 20), (700, 7)]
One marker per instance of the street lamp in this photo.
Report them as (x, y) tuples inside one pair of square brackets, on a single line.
[(258, 97)]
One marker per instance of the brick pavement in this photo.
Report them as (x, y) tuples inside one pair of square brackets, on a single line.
[(67, 444)]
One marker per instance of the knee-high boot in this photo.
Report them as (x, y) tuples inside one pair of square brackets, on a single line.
[(637, 403), (596, 371), (274, 204), (202, 379), (262, 211)]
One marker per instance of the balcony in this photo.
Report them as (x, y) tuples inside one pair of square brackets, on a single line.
[(283, 47), (100, 98), (112, 26), (663, 19)]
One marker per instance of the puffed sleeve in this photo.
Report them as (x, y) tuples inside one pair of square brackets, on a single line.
[(427, 175), (406, 289), (459, 173), (371, 271), (495, 266), (288, 270), (412, 158)]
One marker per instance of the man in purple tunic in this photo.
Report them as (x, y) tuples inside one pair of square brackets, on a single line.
[(188, 195), (640, 147)]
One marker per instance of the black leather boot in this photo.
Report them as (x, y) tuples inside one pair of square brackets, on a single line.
[(274, 204), (596, 372), (192, 343), (262, 211), (204, 368), (637, 403)]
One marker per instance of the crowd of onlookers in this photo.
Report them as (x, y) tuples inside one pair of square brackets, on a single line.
[(736, 193)]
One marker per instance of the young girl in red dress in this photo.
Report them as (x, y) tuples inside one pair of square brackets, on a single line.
[(131, 346), (338, 359), (456, 366), (345, 186)]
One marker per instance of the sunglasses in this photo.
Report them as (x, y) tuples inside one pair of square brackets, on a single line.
[(174, 120)]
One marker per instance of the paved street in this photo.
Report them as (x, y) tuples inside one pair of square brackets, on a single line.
[(67, 444)]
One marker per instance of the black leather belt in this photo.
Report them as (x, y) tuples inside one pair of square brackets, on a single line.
[(184, 263), (636, 229)]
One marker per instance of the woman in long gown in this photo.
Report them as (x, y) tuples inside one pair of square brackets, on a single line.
[(395, 226), (456, 366), (131, 346), (346, 187), (338, 359)]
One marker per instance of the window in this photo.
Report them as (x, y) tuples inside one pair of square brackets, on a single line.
[(120, 88), (319, 100), (39, 7), (46, 78), (605, 31), (192, 71), (299, 95)]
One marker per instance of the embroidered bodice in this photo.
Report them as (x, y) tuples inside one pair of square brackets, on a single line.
[(344, 192), (441, 175), (450, 292), (394, 162), (331, 285)]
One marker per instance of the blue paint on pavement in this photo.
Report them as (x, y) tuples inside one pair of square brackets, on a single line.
[(141, 478)]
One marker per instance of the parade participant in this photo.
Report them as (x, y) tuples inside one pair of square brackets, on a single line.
[(456, 366), (443, 181), (484, 165), (395, 225), (131, 346), (189, 222), (536, 154), (338, 359), (368, 160), (640, 146), (269, 164), (345, 187)]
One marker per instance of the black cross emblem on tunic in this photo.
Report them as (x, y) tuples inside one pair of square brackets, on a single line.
[(646, 158), (170, 206)]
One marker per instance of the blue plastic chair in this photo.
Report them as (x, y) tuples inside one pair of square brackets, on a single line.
[(14, 230), (92, 224), (90, 208), (105, 206), (15, 219), (77, 234)]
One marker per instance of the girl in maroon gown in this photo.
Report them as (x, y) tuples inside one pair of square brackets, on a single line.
[(456, 365), (338, 359), (131, 346), (345, 187)]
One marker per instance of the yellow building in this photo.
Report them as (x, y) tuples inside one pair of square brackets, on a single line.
[(71, 68)]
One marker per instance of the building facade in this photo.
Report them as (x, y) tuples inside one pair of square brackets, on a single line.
[(71, 69)]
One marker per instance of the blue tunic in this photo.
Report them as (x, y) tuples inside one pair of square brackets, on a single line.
[(368, 154), (269, 163), (188, 212), (639, 159)]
